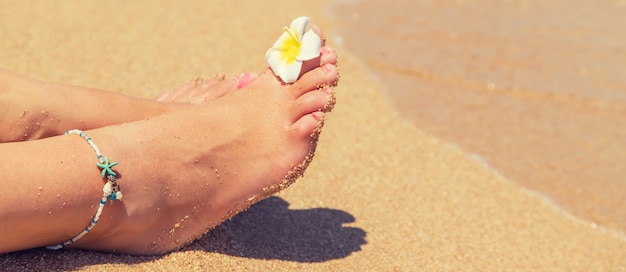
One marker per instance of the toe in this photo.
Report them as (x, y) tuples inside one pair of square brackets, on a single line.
[(244, 79), (308, 126), (170, 95), (221, 87), (325, 75), (328, 55), (318, 31), (309, 102), (162, 97)]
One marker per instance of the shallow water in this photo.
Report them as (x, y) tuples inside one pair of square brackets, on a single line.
[(535, 88)]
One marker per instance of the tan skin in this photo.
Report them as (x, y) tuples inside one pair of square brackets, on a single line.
[(183, 169)]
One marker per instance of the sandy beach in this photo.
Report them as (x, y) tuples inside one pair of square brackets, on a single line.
[(382, 194)]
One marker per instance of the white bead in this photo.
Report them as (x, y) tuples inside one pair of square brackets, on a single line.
[(107, 189)]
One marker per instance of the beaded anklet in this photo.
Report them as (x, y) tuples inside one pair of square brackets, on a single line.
[(110, 189)]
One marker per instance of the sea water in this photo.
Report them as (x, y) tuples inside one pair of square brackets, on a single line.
[(536, 89)]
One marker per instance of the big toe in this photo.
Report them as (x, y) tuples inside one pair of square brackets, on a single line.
[(326, 75), (327, 54)]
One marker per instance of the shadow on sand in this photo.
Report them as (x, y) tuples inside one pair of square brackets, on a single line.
[(268, 230)]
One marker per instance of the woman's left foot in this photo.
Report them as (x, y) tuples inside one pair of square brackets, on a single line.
[(201, 90)]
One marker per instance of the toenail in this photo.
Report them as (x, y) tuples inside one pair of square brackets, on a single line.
[(244, 79), (330, 99), (317, 116), (326, 91), (327, 67), (325, 50)]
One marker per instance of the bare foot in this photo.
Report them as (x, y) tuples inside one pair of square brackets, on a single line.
[(182, 171), (195, 168), (201, 90)]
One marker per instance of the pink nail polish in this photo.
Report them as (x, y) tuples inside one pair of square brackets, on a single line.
[(325, 50), (244, 79), (317, 116), (327, 67)]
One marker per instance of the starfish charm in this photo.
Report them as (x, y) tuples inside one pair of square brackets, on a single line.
[(106, 167)]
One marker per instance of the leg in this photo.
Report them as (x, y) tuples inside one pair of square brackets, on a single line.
[(182, 172), (32, 109)]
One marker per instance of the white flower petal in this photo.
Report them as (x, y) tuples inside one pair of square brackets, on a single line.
[(298, 25), (281, 39), (272, 57), (291, 48), (288, 73), (310, 46)]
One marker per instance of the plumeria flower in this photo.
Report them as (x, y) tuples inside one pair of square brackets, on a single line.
[(292, 48)]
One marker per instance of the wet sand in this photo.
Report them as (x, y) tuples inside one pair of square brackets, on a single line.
[(382, 194)]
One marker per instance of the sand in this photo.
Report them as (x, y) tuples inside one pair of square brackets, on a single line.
[(380, 195)]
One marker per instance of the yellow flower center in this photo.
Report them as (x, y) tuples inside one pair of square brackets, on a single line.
[(290, 47)]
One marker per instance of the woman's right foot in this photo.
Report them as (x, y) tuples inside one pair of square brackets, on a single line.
[(195, 168), (182, 172)]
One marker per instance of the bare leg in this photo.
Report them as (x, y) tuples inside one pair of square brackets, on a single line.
[(182, 172), (31, 109)]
